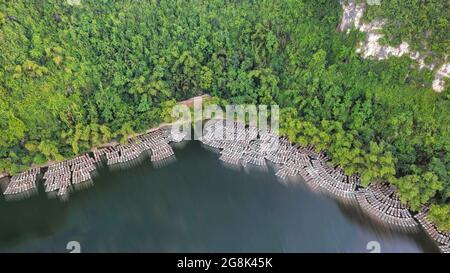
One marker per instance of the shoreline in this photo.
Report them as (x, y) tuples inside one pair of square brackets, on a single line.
[(378, 200), (113, 143), (371, 48)]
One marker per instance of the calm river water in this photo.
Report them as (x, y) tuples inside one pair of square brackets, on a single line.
[(195, 204)]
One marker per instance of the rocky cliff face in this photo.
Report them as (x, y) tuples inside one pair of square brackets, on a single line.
[(372, 49)]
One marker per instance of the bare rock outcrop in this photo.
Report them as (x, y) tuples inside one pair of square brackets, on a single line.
[(371, 48)]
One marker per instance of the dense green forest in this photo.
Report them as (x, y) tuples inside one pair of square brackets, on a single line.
[(72, 77), (423, 24)]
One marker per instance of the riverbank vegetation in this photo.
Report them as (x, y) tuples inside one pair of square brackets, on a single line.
[(423, 24), (72, 77)]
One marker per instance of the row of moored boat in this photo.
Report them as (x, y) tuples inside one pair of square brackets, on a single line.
[(60, 177), (249, 146)]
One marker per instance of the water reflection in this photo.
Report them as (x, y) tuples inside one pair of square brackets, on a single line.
[(196, 205)]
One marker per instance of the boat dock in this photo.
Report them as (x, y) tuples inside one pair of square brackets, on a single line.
[(246, 146), (214, 134), (23, 183), (254, 154), (233, 150), (443, 238), (60, 177), (157, 145), (334, 181), (445, 249), (81, 168), (382, 201), (379, 200)]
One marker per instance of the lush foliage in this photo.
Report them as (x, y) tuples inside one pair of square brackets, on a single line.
[(72, 77), (423, 24), (439, 215)]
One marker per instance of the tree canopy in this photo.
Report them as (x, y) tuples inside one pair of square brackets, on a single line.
[(72, 77)]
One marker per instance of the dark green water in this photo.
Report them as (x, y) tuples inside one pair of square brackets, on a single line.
[(195, 205)]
